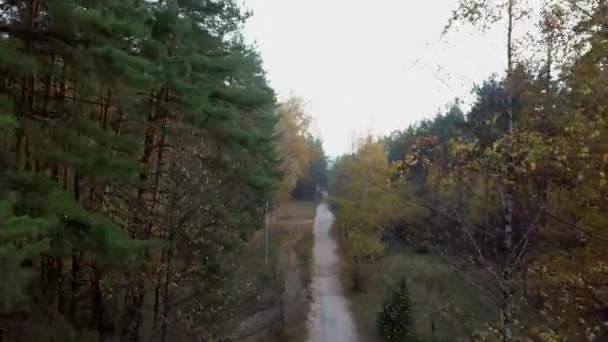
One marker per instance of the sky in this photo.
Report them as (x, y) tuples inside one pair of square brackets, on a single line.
[(370, 66)]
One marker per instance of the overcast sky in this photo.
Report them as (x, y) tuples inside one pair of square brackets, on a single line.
[(370, 65)]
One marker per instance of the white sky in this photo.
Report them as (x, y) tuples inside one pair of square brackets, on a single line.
[(370, 65)]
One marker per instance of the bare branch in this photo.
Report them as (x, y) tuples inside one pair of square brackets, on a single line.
[(477, 228), (502, 197), (530, 227), (580, 228), (476, 245), (521, 252), (492, 296), (575, 4), (525, 238)]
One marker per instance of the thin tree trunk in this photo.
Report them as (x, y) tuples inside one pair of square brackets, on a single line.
[(157, 177), (507, 310), (548, 73), (60, 288), (98, 308), (106, 110), (146, 160), (27, 165), (19, 137), (75, 282), (135, 295), (507, 319), (166, 304), (157, 293), (133, 314), (65, 178)]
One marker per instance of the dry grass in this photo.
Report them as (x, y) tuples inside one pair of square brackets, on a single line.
[(295, 220), (287, 273)]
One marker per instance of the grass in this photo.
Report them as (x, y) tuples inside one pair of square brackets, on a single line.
[(295, 210), (286, 226), (436, 293), (303, 250), (289, 248), (294, 220)]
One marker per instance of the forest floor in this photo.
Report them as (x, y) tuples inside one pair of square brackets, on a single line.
[(439, 299), (283, 298)]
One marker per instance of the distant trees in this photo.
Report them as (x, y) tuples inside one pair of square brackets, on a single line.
[(316, 177), (361, 191), (304, 163), (294, 134)]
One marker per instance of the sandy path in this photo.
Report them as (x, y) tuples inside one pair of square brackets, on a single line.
[(330, 319)]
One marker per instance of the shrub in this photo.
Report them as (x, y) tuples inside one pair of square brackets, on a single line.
[(395, 320)]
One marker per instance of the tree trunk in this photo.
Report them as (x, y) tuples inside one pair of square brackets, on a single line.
[(138, 227), (166, 305), (166, 295), (134, 300), (507, 316), (157, 292), (98, 308), (507, 309), (75, 282), (60, 287), (135, 295)]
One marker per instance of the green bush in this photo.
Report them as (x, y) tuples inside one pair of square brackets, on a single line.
[(395, 320)]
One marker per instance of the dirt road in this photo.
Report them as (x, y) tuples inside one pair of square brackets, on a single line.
[(330, 319)]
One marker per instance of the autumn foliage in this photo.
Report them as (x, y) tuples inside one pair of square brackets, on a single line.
[(511, 192)]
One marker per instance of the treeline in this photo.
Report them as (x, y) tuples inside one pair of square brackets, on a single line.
[(304, 162), (512, 192), (138, 152)]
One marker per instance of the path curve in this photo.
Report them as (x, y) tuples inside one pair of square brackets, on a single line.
[(330, 319)]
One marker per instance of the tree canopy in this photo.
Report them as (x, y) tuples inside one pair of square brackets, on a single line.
[(140, 144)]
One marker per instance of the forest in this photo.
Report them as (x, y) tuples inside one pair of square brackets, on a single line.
[(145, 159), (509, 192), (141, 147)]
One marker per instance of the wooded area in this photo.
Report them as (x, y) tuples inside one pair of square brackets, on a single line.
[(140, 147), (511, 192)]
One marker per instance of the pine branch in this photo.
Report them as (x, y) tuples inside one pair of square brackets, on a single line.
[(41, 35)]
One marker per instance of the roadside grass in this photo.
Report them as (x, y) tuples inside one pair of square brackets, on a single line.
[(303, 250), (439, 298), (295, 210), (258, 311), (287, 225), (296, 218), (292, 225)]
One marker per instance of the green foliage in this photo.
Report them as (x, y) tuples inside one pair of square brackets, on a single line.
[(141, 151), (395, 321)]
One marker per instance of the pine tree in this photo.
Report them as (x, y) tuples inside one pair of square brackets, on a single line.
[(108, 110), (395, 321)]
